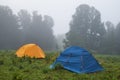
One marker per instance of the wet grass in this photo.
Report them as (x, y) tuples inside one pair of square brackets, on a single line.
[(14, 68)]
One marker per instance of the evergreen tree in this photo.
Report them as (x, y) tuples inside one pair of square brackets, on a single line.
[(24, 20), (108, 43), (117, 38), (9, 29), (86, 28)]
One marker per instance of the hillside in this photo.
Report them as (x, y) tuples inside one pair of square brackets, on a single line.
[(14, 68)]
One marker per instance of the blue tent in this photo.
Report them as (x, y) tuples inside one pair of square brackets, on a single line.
[(78, 60)]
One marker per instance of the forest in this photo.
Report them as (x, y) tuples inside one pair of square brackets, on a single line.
[(86, 30)]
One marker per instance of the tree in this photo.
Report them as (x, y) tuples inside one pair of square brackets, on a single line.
[(9, 32), (86, 28), (37, 29), (50, 42), (108, 43), (40, 31), (117, 38), (24, 19)]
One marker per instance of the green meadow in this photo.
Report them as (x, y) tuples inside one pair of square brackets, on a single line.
[(14, 68)]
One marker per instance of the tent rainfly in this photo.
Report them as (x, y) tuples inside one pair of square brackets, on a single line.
[(30, 50), (78, 60)]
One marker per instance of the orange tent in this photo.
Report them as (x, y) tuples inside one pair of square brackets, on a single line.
[(30, 50)]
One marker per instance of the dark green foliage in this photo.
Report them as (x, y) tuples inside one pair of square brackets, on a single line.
[(108, 42), (24, 28), (111, 40), (86, 28), (117, 38), (88, 31), (9, 32), (14, 68), (37, 29)]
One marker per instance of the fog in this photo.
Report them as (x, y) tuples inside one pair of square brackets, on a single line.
[(62, 10), (57, 24)]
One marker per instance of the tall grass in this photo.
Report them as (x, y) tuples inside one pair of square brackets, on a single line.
[(14, 68)]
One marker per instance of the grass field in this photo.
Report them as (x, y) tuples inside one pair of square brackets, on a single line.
[(14, 68)]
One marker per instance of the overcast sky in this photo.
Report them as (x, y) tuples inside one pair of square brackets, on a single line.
[(62, 10)]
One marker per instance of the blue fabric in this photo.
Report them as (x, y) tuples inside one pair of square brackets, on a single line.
[(78, 60)]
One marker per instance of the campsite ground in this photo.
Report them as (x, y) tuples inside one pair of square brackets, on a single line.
[(14, 68)]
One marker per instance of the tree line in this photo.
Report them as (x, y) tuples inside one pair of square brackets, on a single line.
[(23, 27), (88, 31)]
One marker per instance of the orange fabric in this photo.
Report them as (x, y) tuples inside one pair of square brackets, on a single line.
[(30, 50)]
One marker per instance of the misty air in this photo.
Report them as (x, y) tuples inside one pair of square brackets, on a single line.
[(59, 40)]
